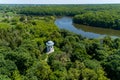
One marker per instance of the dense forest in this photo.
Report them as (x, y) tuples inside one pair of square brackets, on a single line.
[(24, 32), (103, 19), (106, 16)]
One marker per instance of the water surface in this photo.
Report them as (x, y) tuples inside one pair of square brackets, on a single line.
[(86, 31)]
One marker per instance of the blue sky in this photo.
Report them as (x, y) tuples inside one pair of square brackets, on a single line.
[(58, 1)]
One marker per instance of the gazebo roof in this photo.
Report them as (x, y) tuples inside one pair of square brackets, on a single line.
[(50, 43)]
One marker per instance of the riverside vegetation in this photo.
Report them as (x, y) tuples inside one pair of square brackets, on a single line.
[(23, 34)]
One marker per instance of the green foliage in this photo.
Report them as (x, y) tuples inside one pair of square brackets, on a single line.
[(4, 77), (23, 45), (40, 69), (112, 64), (99, 19)]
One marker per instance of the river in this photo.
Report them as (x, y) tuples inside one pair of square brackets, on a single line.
[(86, 31)]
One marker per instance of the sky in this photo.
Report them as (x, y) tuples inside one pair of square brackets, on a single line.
[(59, 1)]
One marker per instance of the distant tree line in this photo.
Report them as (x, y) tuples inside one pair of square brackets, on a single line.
[(105, 19), (58, 10)]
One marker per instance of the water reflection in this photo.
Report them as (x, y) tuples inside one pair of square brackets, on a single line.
[(86, 31)]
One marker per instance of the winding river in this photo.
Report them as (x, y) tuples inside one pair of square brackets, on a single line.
[(86, 31)]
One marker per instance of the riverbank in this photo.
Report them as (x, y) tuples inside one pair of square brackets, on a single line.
[(85, 31)]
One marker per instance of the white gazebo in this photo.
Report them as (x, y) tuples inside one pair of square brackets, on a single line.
[(50, 47)]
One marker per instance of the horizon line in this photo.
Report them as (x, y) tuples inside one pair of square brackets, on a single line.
[(56, 4)]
